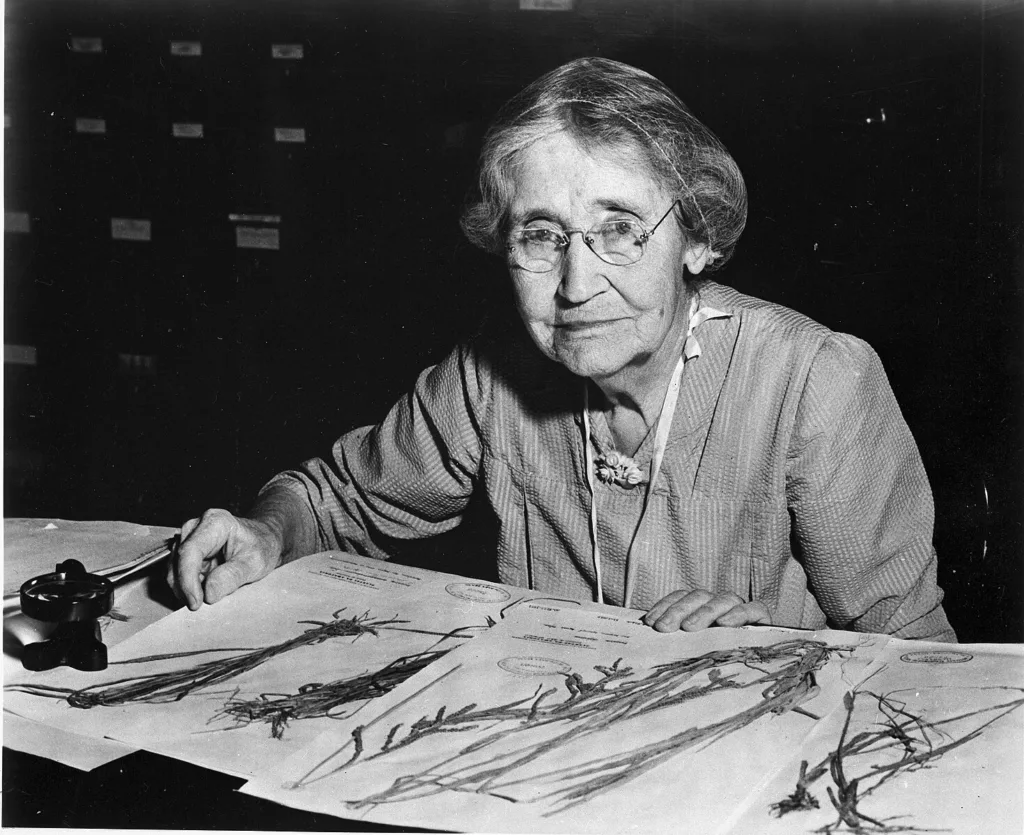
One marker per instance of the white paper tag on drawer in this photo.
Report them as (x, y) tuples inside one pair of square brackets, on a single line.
[(90, 126), (289, 134), (87, 45), (18, 222), (243, 217), (288, 51), (130, 229), (141, 364), (253, 237), (20, 354), (187, 130), (545, 5), (187, 49)]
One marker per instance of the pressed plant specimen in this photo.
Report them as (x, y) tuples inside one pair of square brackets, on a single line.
[(520, 744), (896, 741), (330, 700), (174, 685), (310, 701)]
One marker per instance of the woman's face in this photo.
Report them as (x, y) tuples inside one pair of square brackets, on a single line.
[(594, 318)]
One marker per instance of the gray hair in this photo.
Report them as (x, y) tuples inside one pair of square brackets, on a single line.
[(605, 104)]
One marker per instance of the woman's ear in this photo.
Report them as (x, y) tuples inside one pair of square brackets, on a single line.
[(696, 258)]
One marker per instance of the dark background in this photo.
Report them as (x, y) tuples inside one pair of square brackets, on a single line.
[(180, 373)]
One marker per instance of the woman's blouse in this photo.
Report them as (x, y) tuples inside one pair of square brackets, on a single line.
[(789, 477)]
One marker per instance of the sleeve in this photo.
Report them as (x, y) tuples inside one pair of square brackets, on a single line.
[(860, 501), (410, 476)]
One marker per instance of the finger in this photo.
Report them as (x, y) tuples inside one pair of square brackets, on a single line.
[(672, 618), (172, 575), (172, 563), (188, 527), (662, 606), (227, 577), (703, 616), (203, 543), (753, 612)]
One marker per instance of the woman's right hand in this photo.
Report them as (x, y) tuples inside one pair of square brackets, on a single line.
[(219, 553)]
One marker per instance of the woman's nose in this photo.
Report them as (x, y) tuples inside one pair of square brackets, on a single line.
[(582, 273)]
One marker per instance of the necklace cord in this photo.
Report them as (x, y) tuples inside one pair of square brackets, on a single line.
[(589, 455), (691, 350)]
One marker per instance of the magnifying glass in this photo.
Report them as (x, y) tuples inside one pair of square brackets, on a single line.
[(74, 600)]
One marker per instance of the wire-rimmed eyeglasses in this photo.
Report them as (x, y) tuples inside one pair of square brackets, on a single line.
[(539, 246)]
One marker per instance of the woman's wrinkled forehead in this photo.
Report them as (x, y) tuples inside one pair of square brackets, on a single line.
[(559, 165)]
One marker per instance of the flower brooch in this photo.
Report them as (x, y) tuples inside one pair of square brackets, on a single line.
[(615, 468)]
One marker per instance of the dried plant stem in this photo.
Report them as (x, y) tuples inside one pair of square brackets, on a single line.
[(325, 700), (159, 688), (897, 732), (784, 673)]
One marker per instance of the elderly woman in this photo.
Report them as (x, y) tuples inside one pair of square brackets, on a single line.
[(653, 440)]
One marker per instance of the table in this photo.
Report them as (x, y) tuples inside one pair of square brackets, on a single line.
[(147, 791), (534, 715)]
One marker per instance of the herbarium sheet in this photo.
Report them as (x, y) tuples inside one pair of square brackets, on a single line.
[(239, 685), (576, 720)]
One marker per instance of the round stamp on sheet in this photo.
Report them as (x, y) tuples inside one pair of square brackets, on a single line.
[(478, 592), (936, 656), (533, 665)]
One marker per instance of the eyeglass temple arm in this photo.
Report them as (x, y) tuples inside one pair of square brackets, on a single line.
[(687, 225)]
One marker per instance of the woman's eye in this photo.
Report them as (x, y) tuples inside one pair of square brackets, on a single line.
[(540, 235), (622, 228)]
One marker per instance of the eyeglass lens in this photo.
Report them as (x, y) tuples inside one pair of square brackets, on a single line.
[(540, 248)]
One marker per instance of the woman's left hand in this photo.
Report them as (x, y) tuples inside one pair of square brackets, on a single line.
[(699, 609)]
